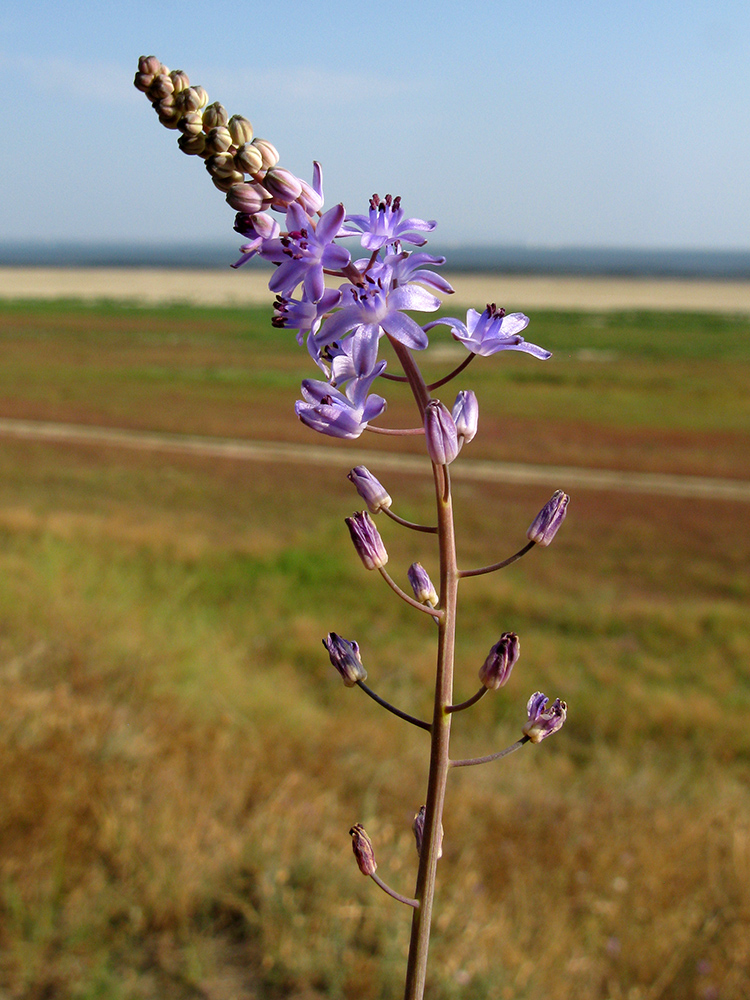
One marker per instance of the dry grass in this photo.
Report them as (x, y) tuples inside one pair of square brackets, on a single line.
[(181, 765)]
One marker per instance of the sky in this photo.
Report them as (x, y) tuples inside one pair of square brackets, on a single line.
[(537, 123)]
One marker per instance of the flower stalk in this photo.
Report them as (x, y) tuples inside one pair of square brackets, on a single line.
[(341, 328)]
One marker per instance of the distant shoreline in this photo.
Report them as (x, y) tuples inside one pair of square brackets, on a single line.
[(153, 285)]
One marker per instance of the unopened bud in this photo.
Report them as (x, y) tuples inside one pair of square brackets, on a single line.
[(192, 99), (369, 488), (248, 159), (214, 115), (367, 540), (495, 670), (168, 112), (418, 828), (241, 129), (221, 165), (345, 658), (545, 525), (283, 186), (440, 433), (248, 197), (193, 145), (180, 80), (161, 86), (465, 416), (544, 721), (150, 65), (191, 123), (422, 585), (309, 198), (227, 183), (268, 152), (218, 140), (363, 850)]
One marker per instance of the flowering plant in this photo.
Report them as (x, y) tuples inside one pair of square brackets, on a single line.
[(342, 309)]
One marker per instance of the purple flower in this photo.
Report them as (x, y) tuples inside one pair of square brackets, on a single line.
[(371, 311), (367, 540), (408, 267), (386, 224), (329, 411), (495, 670), (370, 489), (311, 198), (465, 415), (345, 658), (305, 251), (258, 228), (302, 314), (492, 331), (440, 433), (544, 526), (544, 721)]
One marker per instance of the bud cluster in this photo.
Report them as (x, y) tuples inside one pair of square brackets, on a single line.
[(226, 144)]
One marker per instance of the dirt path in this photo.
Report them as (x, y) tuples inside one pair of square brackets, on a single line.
[(249, 287), (556, 477)]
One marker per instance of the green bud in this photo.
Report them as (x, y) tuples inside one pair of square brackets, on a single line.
[(192, 99), (248, 159), (221, 165), (227, 183)]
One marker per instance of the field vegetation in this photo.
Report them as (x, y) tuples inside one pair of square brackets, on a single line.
[(181, 765)]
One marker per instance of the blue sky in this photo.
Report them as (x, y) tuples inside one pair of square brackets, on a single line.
[(543, 123)]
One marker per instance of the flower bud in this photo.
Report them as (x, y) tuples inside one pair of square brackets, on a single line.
[(248, 159), (180, 80), (214, 115), (369, 488), (496, 669), (440, 433), (422, 585), (345, 658), (193, 145), (150, 65), (465, 416), (418, 828), (221, 165), (192, 98), (226, 183), (309, 198), (240, 129), (248, 198), (544, 721), (168, 112), (268, 152), (191, 123), (367, 540), (161, 86), (283, 186), (544, 526), (363, 850), (218, 140), (260, 225)]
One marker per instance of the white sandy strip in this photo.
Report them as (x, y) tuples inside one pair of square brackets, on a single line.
[(553, 476), (249, 287)]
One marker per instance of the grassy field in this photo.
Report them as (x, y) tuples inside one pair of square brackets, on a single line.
[(181, 764)]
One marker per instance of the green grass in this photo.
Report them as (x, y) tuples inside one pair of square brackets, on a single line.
[(181, 764)]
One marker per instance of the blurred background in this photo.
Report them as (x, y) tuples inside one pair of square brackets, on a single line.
[(181, 764)]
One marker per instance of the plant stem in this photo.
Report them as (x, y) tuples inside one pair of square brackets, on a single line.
[(416, 968)]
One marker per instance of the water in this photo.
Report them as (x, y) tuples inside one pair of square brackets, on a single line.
[(734, 264)]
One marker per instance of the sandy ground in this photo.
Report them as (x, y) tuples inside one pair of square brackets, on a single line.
[(230, 287)]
